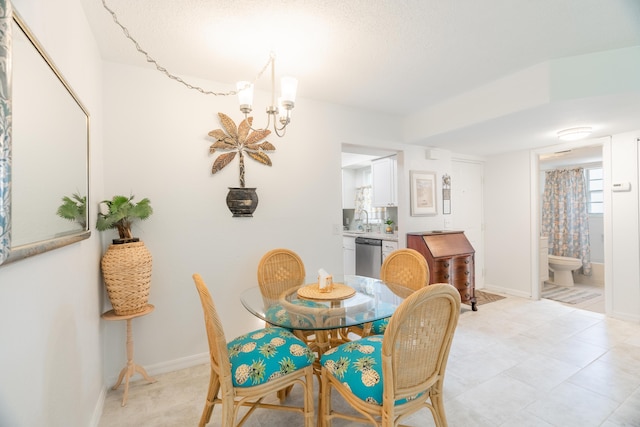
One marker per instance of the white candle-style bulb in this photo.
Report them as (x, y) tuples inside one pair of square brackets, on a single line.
[(245, 95), (288, 87)]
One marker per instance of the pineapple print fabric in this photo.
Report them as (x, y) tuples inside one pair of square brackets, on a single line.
[(379, 326), (278, 315), (266, 354), (358, 365)]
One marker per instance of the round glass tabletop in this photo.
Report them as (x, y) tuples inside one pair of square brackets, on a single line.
[(355, 300)]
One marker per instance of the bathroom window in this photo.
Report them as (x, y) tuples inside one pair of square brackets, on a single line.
[(595, 194)]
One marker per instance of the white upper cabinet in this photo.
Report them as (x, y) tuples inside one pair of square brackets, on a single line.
[(383, 182)]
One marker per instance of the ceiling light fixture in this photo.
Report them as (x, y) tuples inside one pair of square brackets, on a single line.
[(574, 134), (281, 112)]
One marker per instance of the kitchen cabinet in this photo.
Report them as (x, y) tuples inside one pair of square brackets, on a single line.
[(383, 182), (450, 257), (349, 254), (388, 247)]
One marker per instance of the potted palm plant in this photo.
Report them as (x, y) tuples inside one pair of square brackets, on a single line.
[(120, 214), (126, 265)]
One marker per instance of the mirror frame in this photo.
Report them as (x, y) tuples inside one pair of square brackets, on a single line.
[(7, 253)]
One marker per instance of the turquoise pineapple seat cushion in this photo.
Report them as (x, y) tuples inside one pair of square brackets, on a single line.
[(358, 364), (378, 326), (266, 354), (278, 315)]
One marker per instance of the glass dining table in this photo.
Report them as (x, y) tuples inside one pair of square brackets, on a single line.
[(353, 301)]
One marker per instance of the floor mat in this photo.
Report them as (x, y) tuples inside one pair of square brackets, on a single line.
[(485, 298), (567, 295)]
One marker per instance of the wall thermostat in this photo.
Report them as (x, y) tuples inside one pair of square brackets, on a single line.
[(621, 186)]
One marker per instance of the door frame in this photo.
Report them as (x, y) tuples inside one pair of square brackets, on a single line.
[(605, 143)]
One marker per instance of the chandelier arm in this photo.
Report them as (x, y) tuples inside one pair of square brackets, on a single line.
[(262, 128), (164, 71), (280, 131), (283, 129)]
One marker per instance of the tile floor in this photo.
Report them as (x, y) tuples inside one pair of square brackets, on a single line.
[(514, 362)]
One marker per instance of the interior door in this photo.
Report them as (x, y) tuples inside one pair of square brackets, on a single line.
[(467, 183)]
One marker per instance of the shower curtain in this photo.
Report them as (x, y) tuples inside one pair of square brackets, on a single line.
[(564, 215)]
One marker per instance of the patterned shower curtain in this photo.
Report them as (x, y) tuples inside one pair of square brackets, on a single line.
[(564, 215)]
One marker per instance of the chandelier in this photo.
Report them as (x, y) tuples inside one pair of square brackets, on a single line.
[(280, 113)]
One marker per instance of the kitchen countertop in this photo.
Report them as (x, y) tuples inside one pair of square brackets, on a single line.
[(382, 236)]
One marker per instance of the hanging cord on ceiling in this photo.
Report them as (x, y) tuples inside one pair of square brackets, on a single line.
[(164, 71)]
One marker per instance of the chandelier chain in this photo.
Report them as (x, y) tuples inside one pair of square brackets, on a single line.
[(164, 71)]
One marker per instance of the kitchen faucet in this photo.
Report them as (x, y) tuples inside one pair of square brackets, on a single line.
[(366, 227)]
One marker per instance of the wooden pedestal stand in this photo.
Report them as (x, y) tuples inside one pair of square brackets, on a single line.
[(130, 370)]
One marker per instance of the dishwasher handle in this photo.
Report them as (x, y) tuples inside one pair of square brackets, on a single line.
[(367, 241)]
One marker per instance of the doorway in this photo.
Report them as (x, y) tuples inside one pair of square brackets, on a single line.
[(588, 292)]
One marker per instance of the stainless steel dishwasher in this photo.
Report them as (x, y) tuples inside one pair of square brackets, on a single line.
[(368, 257)]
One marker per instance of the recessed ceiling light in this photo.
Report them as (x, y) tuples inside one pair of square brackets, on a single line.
[(574, 133)]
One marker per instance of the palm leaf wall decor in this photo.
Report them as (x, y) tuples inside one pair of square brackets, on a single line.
[(239, 140)]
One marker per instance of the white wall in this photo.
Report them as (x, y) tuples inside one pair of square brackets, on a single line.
[(415, 158), (50, 305), (508, 222), (156, 146), (622, 249)]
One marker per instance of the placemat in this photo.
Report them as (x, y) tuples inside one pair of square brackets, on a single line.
[(340, 291)]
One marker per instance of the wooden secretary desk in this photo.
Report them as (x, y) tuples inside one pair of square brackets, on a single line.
[(450, 257)]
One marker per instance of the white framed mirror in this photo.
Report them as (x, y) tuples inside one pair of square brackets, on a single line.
[(44, 146)]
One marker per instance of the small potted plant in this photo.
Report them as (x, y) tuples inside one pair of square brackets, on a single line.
[(389, 223), (126, 265), (74, 208)]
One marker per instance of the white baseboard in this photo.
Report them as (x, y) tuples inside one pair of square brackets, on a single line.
[(171, 365), (177, 364), (97, 411)]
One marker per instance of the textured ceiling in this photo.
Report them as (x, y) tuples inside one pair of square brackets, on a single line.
[(396, 57)]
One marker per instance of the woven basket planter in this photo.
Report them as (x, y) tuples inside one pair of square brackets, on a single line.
[(126, 269)]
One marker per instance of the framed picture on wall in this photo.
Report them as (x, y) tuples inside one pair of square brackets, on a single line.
[(423, 193)]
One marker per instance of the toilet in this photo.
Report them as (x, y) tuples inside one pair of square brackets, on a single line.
[(562, 268)]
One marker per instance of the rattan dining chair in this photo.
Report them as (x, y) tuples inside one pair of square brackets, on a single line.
[(387, 377), (278, 271), (406, 267), (253, 366)]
